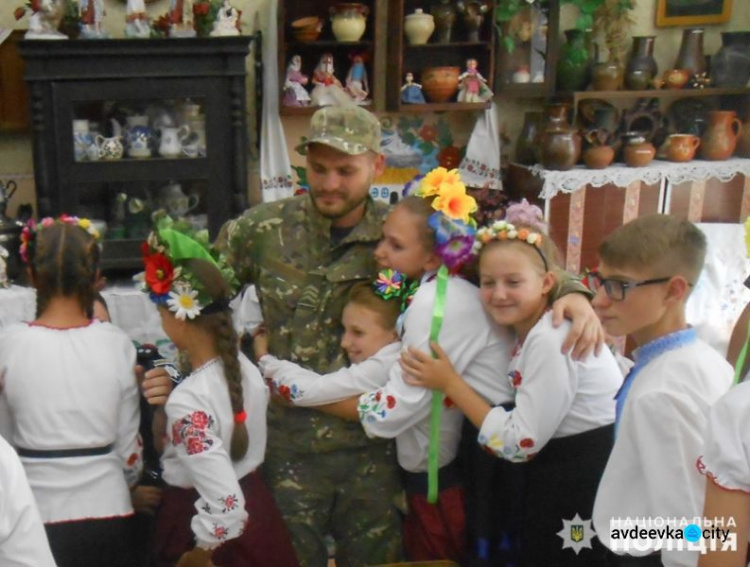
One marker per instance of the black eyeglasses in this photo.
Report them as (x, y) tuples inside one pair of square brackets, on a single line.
[(616, 289)]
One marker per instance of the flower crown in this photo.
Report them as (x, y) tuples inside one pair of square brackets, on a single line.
[(503, 230), (32, 228), (169, 281), (452, 222)]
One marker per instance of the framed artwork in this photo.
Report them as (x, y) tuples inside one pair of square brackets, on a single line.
[(692, 12)]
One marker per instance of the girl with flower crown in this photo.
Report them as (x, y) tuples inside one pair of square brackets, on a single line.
[(71, 400), (561, 422), (215, 507), (425, 237)]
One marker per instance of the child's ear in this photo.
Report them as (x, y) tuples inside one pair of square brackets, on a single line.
[(677, 289), (433, 263), (549, 282)]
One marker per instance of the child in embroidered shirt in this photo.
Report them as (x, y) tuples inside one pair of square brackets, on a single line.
[(423, 236), (74, 409), (647, 268), (216, 419), (564, 409), (371, 344)]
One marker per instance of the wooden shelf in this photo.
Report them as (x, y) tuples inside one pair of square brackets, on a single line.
[(660, 93), (451, 45), (443, 106), (516, 90), (327, 43)]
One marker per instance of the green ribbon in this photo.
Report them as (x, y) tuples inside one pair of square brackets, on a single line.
[(741, 358), (438, 310), (183, 247)]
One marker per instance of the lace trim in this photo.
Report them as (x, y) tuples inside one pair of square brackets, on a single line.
[(622, 176), (279, 182)]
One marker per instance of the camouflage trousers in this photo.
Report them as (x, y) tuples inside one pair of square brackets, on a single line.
[(350, 494)]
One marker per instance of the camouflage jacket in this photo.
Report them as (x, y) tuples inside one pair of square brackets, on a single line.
[(303, 281)]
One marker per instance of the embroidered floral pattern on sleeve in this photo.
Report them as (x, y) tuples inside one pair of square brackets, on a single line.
[(191, 431), (229, 503), (220, 532), (375, 406), (519, 453), (289, 393)]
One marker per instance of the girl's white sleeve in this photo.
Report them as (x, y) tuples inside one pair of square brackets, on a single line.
[(306, 388), (545, 382), (220, 509), (128, 444)]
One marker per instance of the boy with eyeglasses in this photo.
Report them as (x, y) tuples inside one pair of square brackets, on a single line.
[(646, 272)]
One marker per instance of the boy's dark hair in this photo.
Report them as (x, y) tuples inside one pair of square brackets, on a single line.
[(64, 261), (661, 245)]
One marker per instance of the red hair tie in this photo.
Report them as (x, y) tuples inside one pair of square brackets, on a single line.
[(240, 417)]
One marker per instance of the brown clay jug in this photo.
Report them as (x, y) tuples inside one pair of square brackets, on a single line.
[(682, 147), (743, 144), (598, 157), (559, 142), (720, 138)]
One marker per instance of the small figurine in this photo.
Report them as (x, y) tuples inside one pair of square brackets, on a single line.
[(92, 20), (181, 18), (411, 92), (473, 13), (226, 22), (356, 81), (295, 93), (45, 18), (472, 87), (4, 281), (328, 89), (137, 23)]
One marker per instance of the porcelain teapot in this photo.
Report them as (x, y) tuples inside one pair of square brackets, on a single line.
[(176, 203)]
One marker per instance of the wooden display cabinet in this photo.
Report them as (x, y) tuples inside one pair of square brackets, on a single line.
[(311, 51), (14, 94), (101, 83), (403, 58)]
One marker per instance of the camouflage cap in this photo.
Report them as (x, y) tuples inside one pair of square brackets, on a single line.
[(350, 129)]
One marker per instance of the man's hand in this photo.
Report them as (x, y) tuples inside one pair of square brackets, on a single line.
[(156, 385), (586, 333)]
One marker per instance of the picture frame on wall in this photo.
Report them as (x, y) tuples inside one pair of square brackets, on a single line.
[(692, 12)]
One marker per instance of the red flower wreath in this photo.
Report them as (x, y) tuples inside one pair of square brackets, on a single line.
[(159, 273)]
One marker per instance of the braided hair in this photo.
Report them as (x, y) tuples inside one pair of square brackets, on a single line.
[(64, 261), (226, 343)]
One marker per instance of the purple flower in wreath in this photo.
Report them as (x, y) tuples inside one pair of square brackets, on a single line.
[(455, 251), (447, 229), (412, 185)]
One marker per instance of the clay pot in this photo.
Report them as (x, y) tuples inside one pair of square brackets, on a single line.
[(574, 65), (720, 139), (598, 157), (691, 56), (608, 76), (642, 66), (348, 20), (639, 152), (526, 146), (307, 29), (676, 78), (682, 147), (418, 27), (445, 16), (730, 67), (440, 83), (560, 144)]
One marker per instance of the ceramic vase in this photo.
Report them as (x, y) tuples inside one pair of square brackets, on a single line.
[(730, 67), (682, 147), (348, 20), (418, 27), (720, 139), (691, 56), (574, 66), (641, 68), (445, 17)]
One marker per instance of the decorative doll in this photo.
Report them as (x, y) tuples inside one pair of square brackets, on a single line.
[(472, 86), (92, 19), (328, 89), (181, 18), (295, 93), (411, 92), (44, 20), (227, 20), (356, 81), (137, 23)]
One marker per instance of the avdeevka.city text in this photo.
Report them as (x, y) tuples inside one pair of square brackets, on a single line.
[(686, 534)]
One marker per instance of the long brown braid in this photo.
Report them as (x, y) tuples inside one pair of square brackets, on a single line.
[(64, 261), (226, 342)]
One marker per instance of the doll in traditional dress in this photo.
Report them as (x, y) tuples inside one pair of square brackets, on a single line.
[(92, 19), (44, 20), (472, 86), (137, 23), (356, 81), (328, 89), (295, 93), (226, 21), (181, 18), (411, 92)]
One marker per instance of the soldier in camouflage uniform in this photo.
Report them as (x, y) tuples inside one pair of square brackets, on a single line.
[(304, 254)]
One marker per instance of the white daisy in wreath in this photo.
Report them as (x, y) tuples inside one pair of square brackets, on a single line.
[(184, 303)]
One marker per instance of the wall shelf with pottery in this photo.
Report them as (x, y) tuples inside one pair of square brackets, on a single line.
[(311, 29), (656, 93), (448, 33)]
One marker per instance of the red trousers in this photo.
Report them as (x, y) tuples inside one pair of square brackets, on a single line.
[(435, 531)]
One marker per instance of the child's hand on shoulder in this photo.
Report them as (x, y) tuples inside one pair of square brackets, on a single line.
[(421, 369), (156, 385), (196, 557)]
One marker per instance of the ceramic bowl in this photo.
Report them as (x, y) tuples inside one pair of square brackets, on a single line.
[(307, 29)]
